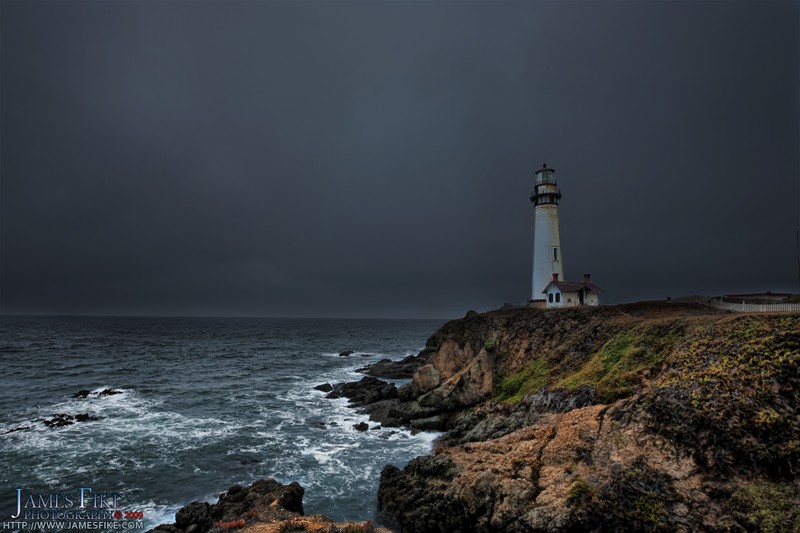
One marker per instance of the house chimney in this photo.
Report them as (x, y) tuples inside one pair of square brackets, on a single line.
[(555, 277), (587, 278)]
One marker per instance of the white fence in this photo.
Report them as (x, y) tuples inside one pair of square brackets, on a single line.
[(753, 308)]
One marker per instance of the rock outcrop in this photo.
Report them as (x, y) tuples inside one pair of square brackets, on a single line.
[(367, 391), (266, 506), (646, 417), (265, 500), (402, 369)]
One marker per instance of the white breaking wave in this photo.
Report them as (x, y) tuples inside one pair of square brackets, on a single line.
[(203, 405)]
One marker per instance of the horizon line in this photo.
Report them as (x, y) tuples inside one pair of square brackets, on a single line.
[(179, 316)]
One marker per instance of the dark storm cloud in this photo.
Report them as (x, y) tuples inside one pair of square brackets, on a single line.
[(360, 159)]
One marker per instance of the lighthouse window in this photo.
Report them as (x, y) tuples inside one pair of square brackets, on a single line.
[(555, 254)]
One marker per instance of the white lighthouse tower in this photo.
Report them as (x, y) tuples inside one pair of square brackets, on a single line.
[(547, 260)]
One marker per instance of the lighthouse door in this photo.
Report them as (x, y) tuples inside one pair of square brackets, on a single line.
[(581, 295)]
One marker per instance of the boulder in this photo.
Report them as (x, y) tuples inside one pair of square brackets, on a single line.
[(409, 411), (467, 387), (426, 378), (379, 411), (195, 514), (324, 387), (402, 369), (431, 423), (364, 392)]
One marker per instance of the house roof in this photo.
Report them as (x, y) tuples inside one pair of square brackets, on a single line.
[(573, 286)]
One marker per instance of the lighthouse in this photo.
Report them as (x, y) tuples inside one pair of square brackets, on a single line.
[(548, 263)]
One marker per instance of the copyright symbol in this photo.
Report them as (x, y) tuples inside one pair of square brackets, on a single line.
[(117, 515)]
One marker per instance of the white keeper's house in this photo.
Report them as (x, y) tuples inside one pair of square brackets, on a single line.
[(571, 293)]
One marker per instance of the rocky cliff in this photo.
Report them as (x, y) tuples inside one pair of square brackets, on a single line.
[(645, 417)]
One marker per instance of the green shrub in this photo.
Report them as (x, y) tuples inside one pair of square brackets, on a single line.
[(616, 369), (530, 379), (636, 499), (767, 507)]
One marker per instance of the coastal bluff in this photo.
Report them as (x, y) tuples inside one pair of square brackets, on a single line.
[(636, 417)]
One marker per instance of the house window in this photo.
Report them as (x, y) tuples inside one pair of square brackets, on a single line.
[(558, 297), (550, 297)]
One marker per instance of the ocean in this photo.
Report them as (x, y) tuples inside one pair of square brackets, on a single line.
[(204, 403)]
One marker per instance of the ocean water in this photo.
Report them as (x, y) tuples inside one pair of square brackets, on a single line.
[(205, 403)]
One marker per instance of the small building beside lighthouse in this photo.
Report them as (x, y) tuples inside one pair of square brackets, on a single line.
[(572, 293), (547, 289)]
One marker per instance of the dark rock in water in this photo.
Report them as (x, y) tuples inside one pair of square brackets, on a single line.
[(21, 428), (368, 390), (85, 417), (361, 426), (346, 353), (266, 499), (403, 369), (379, 411), (325, 387), (366, 355), (61, 420), (84, 393)]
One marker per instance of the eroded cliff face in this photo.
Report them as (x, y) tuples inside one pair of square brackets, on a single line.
[(627, 418)]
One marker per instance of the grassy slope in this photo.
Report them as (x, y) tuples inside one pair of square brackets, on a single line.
[(732, 378), (723, 387)]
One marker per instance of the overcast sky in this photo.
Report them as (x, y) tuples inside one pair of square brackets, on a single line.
[(308, 158)]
